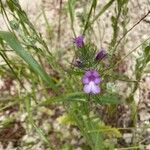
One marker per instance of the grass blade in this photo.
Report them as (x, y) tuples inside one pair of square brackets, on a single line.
[(71, 8), (12, 41)]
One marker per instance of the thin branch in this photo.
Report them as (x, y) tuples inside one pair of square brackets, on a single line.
[(132, 28), (59, 24)]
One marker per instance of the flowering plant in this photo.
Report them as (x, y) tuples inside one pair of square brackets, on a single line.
[(88, 103)]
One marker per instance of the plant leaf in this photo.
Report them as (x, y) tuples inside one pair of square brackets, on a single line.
[(147, 53), (108, 99), (94, 4), (70, 97), (13, 42)]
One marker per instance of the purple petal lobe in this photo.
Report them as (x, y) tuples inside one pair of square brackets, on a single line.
[(95, 73), (97, 80), (88, 73), (87, 88), (95, 89), (91, 88), (85, 80)]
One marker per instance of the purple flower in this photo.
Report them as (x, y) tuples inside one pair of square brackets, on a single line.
[(79, 41), (91, 80), (101, 54)]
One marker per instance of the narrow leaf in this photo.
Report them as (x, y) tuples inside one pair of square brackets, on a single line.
[(108, 99), (70, 97), (94, 4), (12, 41)]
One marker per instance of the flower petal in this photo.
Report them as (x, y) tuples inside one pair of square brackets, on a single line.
[(91, 88), (95, 73), (85, 80), (95, 89), (88, 73), (87, 88), (97, 80)]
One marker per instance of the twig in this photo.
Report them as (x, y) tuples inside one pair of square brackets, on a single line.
[(132, 28), (59, 23)]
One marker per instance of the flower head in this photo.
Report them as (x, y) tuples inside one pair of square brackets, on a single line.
[(101, 54), (79, 41), (91, 79)]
